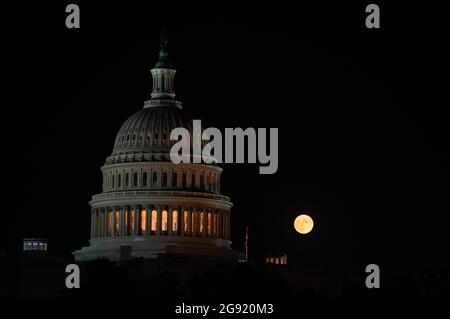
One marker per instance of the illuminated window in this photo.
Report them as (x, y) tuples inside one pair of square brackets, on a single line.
[(175, 221), (117, 223), (154, 220), (186, 222), (277, 261), (209, 224), (164, 220), (214, 224), (143, 220), (132, 221), (127, 224), (202, 222)]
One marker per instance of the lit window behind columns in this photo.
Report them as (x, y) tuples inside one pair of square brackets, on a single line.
[(133, 212), (186, 221), (209, 224), (202, 222), (175, 221), (143, 219), (117, 222), (154, 220), (164, 220)]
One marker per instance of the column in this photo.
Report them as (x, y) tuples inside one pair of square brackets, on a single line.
[(220, 220), (105, 222), (228, 225), (194, 222), (159, 210), (169, 220), (122, 221), (128, 225), (100, 222), (150, 208), (137, 218), (92, 223), (181, 221), (148, 223), (113, 222), (213, 223), (97, 223)]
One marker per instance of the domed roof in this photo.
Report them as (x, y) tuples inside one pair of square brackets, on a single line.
[(145, 135), (148, 130)]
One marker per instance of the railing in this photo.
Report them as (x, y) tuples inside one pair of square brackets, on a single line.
[(125, 194)]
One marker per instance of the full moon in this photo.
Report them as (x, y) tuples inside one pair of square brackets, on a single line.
[(303, 224)]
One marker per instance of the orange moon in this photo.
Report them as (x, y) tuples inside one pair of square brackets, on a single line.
[(303, 224)]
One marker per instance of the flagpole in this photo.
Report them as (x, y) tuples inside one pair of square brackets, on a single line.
[(246, 244)]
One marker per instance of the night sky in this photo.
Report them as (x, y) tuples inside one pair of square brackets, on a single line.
[(362, 117)]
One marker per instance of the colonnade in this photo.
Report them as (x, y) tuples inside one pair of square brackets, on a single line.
[(148, 220)]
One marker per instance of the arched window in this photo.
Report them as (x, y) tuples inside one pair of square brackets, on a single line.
[(175, 221), (164, 179), (127, 224), (126, 179), (209, 231), (164, 221), (154, 220), (184, 180), (132, 225), (135, 179), (112, 181), (144, 179), (202, 222), (154, 178), (174, 180), (143, 225), (119, 180), (186, 222)]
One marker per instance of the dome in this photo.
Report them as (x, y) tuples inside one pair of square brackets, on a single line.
[(150, 205), (148, 130)]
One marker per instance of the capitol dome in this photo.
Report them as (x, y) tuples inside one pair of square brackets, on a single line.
[(149, 205), (146, 134)]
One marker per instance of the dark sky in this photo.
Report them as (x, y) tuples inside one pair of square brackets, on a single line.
[(362, 117)]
